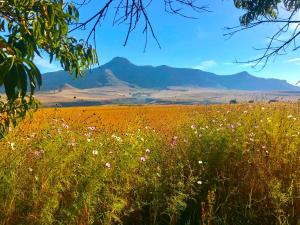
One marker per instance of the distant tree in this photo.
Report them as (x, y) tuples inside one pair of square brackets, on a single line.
[(233, 101)]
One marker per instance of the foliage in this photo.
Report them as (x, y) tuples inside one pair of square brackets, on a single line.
[(31, 28), (231, 164), (283, 13)]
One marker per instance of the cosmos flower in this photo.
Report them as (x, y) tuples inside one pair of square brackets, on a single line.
[(107, 165), (193, 126), (143, 159), (92, 128), (148, 151), (12, 145), (64, 125), (95, 152)]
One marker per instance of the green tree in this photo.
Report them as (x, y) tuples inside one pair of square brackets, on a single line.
[(282, 13), (29, 28)]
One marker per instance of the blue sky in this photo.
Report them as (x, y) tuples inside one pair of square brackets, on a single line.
[(190, 43)]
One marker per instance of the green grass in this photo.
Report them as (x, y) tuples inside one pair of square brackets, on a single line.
[(228, 165)]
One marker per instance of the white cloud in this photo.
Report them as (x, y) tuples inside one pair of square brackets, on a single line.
[(243, 65), (206, 64), (44, 65), (251, 64), (293, 60)]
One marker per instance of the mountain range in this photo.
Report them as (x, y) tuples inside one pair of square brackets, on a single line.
[(120, 72)]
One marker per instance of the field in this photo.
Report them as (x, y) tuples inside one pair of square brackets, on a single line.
[(70, 96), (215, 164)]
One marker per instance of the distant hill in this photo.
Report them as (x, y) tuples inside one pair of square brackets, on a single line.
[(120, 72)]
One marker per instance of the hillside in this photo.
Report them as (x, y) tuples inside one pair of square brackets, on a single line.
[(120, 72)]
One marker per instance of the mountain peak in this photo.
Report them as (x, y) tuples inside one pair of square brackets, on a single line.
[(119, 60)]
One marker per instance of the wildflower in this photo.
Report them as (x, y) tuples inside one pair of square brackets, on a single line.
[(143, 159), (95, 152), (173, 141), (199, 182), (12, 145), (38, 153), (36, 178), (30, 169), (107, 165), (200, 162), (290, 116), (193, 126), (92, 128), (88, 135), (88, 140), (148, 151), (64, 125), (116, 138)]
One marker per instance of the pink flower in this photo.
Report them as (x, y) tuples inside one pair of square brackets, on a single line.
[(108, 165), (64, 125), (173, 141), (148, 151), (38, 153), (92, 128), (193, 126), (143, 159)]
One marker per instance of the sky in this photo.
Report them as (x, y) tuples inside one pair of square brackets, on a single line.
[(189, 43)]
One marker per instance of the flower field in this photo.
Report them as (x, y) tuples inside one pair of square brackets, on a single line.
[(217, 164)]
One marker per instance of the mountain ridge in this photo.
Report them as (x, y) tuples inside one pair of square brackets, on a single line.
[(122, 72)]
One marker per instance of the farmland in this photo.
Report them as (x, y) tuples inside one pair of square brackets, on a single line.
[(214, 164)]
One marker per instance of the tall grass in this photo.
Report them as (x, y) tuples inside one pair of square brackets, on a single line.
[(223, 165)]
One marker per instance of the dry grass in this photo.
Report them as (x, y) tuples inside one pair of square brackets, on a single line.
[(221, 164)]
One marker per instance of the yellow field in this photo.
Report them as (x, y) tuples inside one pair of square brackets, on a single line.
[(164, 118)]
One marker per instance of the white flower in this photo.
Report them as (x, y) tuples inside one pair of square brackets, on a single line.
[(12, 145), (200, 162), (95, 152), (64, 125), (148, 151), (199, 182), (108, 165)]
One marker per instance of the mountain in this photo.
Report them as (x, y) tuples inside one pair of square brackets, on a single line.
[(120, 72)]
